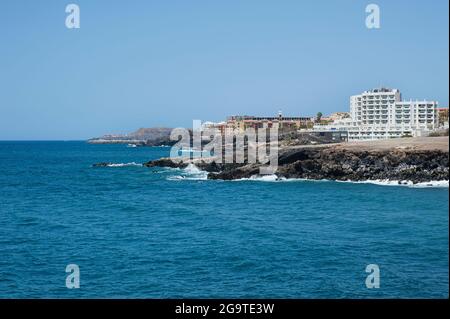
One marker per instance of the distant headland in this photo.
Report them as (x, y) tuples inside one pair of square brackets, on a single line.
[(154, 136)]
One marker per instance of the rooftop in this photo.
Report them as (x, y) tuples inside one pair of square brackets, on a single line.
[(382, 90)]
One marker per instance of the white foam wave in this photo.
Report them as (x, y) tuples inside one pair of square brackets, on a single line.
[(275, 178), (191, 172), (438, 184), (167, 169), (123, 164), (263, 178), (192, 169), (443, 184)]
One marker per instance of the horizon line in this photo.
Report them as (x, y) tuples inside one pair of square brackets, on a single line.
[(44, 140)]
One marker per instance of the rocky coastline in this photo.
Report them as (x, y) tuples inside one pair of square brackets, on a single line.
[(336, 163)]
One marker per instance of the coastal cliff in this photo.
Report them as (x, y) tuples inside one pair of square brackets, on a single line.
[(153, 136), (415, 160)]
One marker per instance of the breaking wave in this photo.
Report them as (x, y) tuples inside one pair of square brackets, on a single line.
[(275, 178), (439, 184), (263, 178), (191, 172), (123, 164)]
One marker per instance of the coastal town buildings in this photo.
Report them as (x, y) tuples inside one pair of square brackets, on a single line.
[(240, 123), (381, 113), (443, 117), (338, 116), (284, 123)]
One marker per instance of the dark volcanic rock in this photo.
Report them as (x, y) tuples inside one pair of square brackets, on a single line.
[(329, 163), (102, 164), (166, 162), (233, 172), (336, 164)]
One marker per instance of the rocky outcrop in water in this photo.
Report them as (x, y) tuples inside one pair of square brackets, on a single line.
[(102, 164), (166, 162)]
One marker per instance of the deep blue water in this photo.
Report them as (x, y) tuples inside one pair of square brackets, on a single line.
[(148, 233)]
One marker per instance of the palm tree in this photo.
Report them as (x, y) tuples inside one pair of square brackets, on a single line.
[(319, 117)]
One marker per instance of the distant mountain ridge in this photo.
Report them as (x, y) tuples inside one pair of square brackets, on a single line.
[(151, 133), (152, 136)]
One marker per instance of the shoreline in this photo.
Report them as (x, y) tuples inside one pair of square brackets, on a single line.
[(405, 183), (416, 160)]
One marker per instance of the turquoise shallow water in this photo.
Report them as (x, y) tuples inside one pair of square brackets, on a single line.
[(150, 233)]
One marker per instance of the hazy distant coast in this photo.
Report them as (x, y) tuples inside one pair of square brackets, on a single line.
[(154, 136)]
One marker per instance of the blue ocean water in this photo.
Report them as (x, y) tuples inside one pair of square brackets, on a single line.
[(166, 233)]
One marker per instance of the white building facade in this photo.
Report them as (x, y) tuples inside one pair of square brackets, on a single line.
[(380, 113)]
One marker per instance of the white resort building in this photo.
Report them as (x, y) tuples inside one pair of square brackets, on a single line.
[(381, 113)]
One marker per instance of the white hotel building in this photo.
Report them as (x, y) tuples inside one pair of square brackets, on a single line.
[(381, 113)]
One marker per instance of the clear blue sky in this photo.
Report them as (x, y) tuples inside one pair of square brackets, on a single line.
[(164, 63)]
